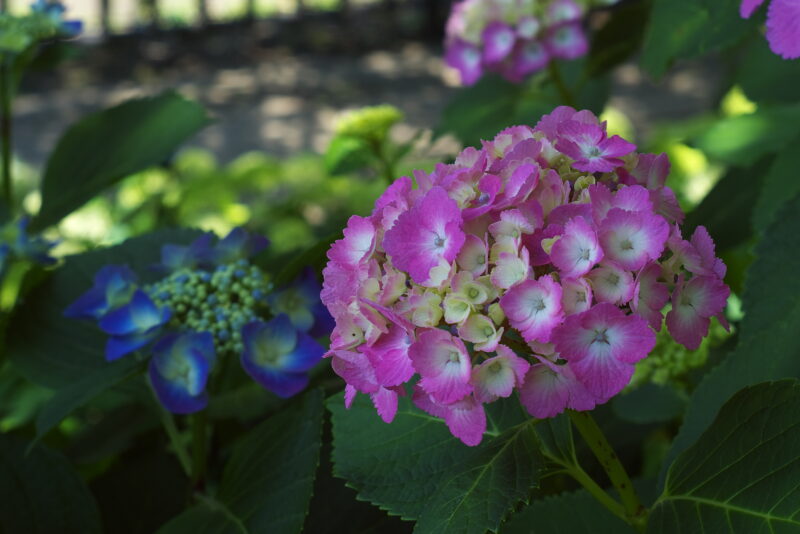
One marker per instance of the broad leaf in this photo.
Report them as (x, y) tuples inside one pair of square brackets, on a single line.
[(41, 493), (781, 183), (268, 481), (207, 518), (414, 468), (619, 38), (742, 474), (54, 351), (744, 139), (769, 347), (566, 513), (347, 154), (689, 28), (726, 211), (77, 394), (112, 144), (765, 76)]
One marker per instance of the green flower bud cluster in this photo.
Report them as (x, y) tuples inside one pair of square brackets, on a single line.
[(670, 361), (369, 123), (221, 301), (18, 33)]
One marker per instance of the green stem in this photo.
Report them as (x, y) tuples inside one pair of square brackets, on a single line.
[(175, 439), (635, 513), (199, 426), (563, 90), (576, 472), (5, 131)]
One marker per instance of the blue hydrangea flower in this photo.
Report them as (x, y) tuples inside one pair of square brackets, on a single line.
[(179, 371), (133, 326), (238, 245), (55, 10), (177, 257), (301, 302), (279, 357), (113, 288)]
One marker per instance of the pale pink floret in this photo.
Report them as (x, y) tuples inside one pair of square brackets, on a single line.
[(424, 236), (633, 198), (549, 123), (480, 330), (510, 269), (591, 149), (578, 250), (576, 295), (357, 245), (631, 239), (389, 357), (549, 389), (704, 246), (612, 284), (534, 308), (650, 296), (498, 376), (693, 303), (601, 346), (465, 418), (474, 256), (444, 365)]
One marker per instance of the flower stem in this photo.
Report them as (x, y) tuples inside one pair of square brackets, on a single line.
[(635, 513), (563, 90), (175, 439), (576, 472), (199, 424), (5, 132)]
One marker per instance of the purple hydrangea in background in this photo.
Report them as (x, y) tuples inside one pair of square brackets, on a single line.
[(514, 38), (783, 25), (212, 303)]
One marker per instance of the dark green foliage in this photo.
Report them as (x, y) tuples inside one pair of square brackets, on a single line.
[(741, 475), (649, 403), (41, 493)]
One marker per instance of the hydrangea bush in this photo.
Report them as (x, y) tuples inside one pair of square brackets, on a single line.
[(542, 262), (211, 303), (514, 38)]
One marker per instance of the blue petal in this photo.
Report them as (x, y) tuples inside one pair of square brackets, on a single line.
[(323, 321), (281, 383), (140, 315), (113, 287), (72, 27), (305, 356), (119, 346), (176, 257), (173, 396), (185, 359), (238, 244), (270, 341)]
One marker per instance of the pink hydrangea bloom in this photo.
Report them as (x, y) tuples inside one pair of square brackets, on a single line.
[(532, 237), (783, 25), (513, 38)]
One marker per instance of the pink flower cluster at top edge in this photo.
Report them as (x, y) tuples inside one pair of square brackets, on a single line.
[(514, 38), (783, 25), (541, 262)]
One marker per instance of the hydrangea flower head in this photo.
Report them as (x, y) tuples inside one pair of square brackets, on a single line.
[(211, 303), (542, 262), (514, 38), (783, 25)]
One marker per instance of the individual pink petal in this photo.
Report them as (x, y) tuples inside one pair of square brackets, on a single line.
[(385, 402), (704, 246), (355, 369), (650, 296), (425, 236), (474, 256), (349, 395), (632, 239), (533, 243), (576, 295), (444, 365), (534, 308), (358, 242), (611, 284), (633, 198), (389, 357), (578, 249), (783, 28), (510, 269), (747, 7), (466, 420), (693, 303), (665, 203), (549, 389)]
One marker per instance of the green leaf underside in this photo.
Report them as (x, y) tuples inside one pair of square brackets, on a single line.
[(71, 350), (415, 468), (41, 493), (112, 144), (742, 474), (769, 347)]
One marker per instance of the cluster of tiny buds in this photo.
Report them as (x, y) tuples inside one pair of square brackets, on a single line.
[(220, 302)]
